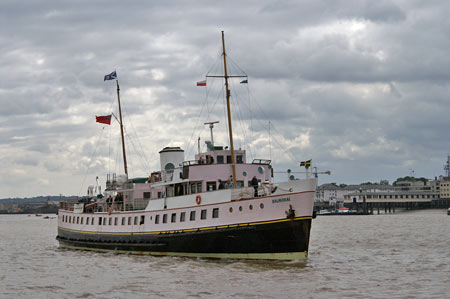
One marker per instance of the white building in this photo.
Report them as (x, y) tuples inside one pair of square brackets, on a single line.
[(332, 193)]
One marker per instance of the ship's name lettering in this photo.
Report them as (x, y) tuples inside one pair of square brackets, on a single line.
[(281, 199)]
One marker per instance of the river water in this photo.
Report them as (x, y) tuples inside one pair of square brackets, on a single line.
[(403, 255)]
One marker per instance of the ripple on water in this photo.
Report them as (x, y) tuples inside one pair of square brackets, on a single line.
[(379, 256)]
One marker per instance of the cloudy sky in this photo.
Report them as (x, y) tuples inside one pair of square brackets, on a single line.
[(361, 87)]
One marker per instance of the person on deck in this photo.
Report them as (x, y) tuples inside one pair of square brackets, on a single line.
[(221, 186), (254, 183), (229, 184)]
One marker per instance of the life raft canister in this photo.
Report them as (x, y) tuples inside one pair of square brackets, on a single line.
[(198, 199)]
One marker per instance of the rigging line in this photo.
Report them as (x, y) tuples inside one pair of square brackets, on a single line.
[(270, 144), (137, 136), (143, 161), (265, 115), (241, 121), (109, 152), (225, 114), (209, 88), (215, 64), (117, 154), (218, 96), (188, 148), (286, 151), (276, 130), (93, 154), (233, 63), (240, 114), (213, 84)]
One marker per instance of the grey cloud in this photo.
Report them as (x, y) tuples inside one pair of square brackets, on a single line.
[(366, 80)]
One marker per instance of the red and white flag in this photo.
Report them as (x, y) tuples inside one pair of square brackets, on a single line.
[(201, 83)]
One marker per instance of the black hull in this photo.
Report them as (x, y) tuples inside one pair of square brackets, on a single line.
[(281, 239)]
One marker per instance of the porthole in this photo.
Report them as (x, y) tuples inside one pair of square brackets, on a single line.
[(240, 208), (250, 207), (261, 206), (231, 209)]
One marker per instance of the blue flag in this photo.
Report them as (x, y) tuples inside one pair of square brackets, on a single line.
[(111, 76), (244, 81)]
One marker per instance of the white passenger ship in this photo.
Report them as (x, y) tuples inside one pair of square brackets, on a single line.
[(182, 209)]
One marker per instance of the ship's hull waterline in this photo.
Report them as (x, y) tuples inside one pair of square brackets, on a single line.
[(283, 239)]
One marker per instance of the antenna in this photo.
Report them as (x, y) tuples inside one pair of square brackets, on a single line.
[(211, 126)]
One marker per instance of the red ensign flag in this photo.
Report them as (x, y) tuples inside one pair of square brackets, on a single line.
[(103, 119)]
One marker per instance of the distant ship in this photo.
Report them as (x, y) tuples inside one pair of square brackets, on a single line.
[(184, 209)]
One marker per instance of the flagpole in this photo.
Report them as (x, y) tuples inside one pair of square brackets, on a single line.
[(121, 131), (233, 159)]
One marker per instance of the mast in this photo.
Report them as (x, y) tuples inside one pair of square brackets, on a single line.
[(233, 159), (121, 131)]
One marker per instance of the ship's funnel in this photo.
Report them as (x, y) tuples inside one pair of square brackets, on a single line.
[(171, 158)]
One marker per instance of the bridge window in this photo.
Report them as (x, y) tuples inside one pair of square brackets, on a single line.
[(219, 159), (147, 195), (92, 221), (87, 220), (165, 218), (228, 159), (135, 220), (203, 215), (142, 220), (173, 217), (123, 220), (110, 221), (78, 220), (211, 186), (182, 216), (129, 220), (99, 220), (156, 219), (215, 213), (239, 159), (192, 216)]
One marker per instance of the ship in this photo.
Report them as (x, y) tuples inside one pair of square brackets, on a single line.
[(218, 205)]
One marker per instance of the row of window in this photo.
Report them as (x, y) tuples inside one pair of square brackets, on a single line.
[(137, 219), (141, 219), (220, 159), (401, 196), (182, 216)]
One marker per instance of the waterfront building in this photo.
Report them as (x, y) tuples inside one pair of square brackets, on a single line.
[(332, 194), (444, 187), (405, 191)]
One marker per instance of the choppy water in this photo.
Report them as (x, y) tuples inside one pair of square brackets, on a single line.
[(406, 255)]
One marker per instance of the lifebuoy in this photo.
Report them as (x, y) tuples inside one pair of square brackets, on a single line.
[(198, 199)]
